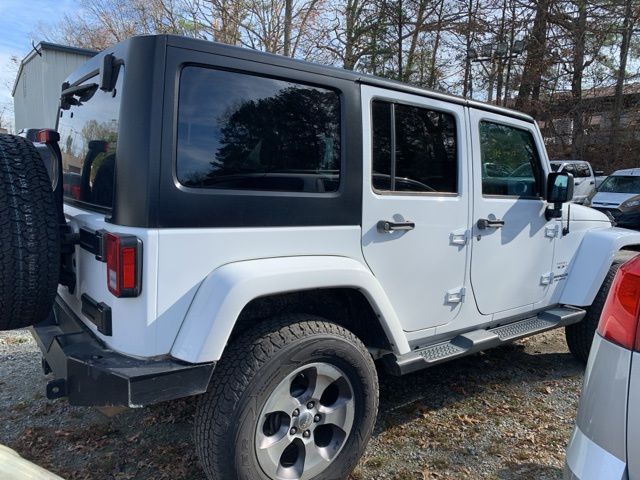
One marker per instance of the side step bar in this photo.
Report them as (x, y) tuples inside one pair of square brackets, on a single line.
[(483, 339)]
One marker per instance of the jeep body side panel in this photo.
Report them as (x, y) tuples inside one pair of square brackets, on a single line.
[(224, 293), (592, 261), (133, 325), (188, 257)]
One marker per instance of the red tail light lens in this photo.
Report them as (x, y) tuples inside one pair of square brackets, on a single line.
[(621, 312), (123, 256)]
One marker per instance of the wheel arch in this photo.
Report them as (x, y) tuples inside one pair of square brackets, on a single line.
[(240, 294), (597, 252)]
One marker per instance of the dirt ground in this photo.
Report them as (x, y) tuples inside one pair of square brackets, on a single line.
[(504, 414)]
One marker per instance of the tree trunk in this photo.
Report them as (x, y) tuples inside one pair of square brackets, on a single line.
[(579, 32), (627, 31), (287, 27), (436, 45), (467, 87), (414, 41), (400, 29), (536, 51)]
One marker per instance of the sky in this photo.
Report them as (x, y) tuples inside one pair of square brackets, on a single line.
[(19, 22)]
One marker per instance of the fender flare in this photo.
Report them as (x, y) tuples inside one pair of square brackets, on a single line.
[(589, 267), (223, 294)]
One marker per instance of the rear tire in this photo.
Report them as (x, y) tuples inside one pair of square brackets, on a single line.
[(29, 236), (580, 335), (260, 417)]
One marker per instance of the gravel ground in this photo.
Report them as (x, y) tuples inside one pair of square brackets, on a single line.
[(504, 414)]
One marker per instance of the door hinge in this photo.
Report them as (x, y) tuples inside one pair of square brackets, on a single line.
[(456, 295), (459, 238), (552, 232), (546, 279)]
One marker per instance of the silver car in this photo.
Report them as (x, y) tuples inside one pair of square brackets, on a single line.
[(606, 440), (619, 195)]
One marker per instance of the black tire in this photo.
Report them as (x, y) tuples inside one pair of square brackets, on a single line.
[(252, 367), (29, 236), (580, 335)]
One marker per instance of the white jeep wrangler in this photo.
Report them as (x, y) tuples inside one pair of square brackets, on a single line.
[(261, 231)]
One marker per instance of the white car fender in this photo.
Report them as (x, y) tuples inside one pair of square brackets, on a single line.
[(228, 289), (592, 262)]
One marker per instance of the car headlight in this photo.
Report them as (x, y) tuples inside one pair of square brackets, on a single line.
[(631, 203)]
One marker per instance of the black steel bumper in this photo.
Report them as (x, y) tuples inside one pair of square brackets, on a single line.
[(89, 373)]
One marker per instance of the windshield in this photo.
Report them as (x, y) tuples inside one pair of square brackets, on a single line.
[(88, 127), (621, 184)]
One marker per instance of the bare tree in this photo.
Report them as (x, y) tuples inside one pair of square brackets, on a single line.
[(630, 16)]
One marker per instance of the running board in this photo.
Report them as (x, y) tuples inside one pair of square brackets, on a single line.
[(483, 339)]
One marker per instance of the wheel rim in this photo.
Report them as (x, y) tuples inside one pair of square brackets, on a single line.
[(305, 422)]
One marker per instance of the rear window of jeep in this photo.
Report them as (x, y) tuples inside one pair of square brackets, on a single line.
[(88, 129), (239, 131)]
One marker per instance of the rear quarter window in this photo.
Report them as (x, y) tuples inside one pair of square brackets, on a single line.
[(238, 131)]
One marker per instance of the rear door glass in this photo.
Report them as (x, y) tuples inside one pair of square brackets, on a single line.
[(88, 139)]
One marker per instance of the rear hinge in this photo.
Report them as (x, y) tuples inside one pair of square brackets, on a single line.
[(552, 232), (456, 295), (459, 238), (546, 279), (68, 240)]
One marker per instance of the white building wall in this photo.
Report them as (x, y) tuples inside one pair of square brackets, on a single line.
[(27, 100), (37, 93)]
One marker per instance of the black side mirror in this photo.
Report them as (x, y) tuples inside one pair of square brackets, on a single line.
[(559, 191)]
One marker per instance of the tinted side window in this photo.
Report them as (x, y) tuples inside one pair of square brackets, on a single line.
[(510, 163), (244, 132), (424, 158)]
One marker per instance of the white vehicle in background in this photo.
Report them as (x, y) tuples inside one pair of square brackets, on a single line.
[(583, 175)]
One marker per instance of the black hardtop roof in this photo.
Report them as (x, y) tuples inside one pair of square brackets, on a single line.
[(216, 48), (279, 60)]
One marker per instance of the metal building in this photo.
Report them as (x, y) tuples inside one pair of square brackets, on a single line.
[(36, 91)]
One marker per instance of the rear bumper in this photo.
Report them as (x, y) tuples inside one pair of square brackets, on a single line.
[(598, 447), (586, 460), (89, 373)]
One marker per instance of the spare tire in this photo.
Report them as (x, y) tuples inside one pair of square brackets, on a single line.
[(29, 236)]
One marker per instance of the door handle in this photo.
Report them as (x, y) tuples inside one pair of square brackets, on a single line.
[(386, 226), (485, 223)]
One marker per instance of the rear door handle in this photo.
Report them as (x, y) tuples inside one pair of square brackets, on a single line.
[(485, 223), (386, 226)]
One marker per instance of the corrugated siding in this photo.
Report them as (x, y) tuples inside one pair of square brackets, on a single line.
[(38, 90), (27, 102)]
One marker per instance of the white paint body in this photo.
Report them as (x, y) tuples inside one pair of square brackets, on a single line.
[(197, 281)]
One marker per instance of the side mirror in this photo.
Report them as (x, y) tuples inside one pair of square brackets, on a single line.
[(559, 191)]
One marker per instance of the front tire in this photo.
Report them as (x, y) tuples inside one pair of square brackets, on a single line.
[(295, 397)]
